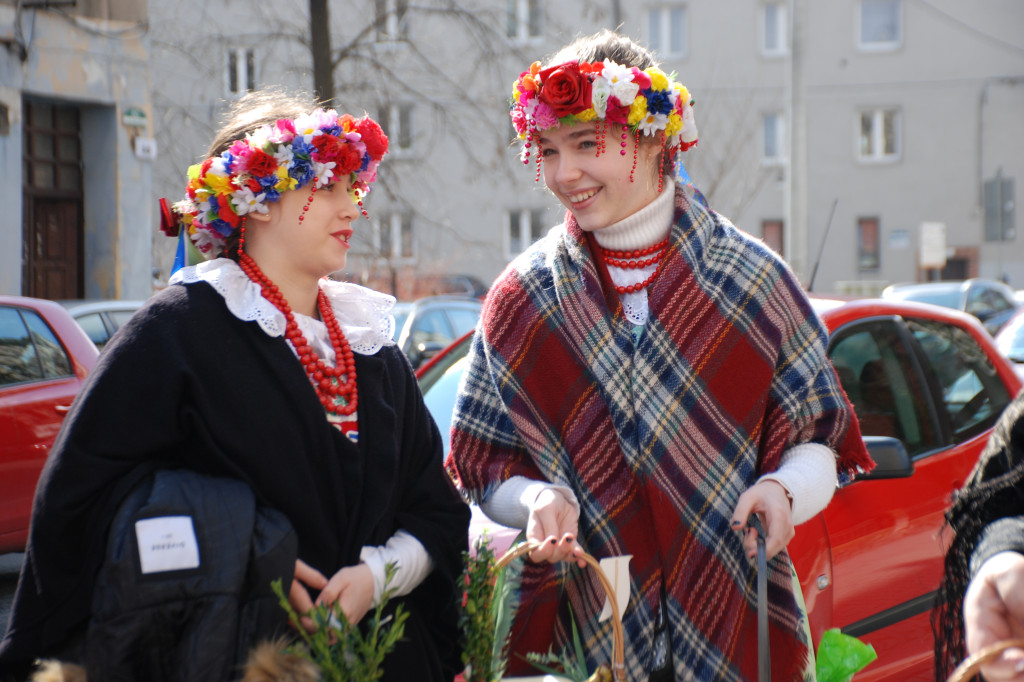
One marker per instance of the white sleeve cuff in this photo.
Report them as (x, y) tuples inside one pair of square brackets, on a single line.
[(808, 473), (412, 564), (509, 503)]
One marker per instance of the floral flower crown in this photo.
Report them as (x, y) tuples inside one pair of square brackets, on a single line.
[(646, 101), (289, 154)]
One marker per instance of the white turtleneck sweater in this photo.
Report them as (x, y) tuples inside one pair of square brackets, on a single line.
[(807, 471)]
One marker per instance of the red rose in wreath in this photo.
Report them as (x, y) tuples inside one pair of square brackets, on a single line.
[(565, 89)]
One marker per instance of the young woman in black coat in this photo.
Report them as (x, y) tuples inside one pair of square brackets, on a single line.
[(255, 366)]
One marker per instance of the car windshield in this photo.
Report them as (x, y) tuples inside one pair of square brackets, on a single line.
[(439, 398), (1010, 340), (400, 317), (947, 298)]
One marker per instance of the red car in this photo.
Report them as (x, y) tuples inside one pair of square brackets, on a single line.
[(44, 358), (928, 385)]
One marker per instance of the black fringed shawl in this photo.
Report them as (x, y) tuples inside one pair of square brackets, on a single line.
[(994, 490)]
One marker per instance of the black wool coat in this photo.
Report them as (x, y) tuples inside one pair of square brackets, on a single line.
[(186, 384)]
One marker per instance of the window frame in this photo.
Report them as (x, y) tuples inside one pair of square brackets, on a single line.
[(397, 121), (954, 435), (878, 116), (864, 264), (242, 71), (519, 12), (399, 223), (781, 226), (890, 336), (37, 354), (661, 44), (878, 46), (781, 129), (528, 218), (395, 28), (780, 29)]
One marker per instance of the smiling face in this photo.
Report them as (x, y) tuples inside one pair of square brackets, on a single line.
[(312, 248), (597, 189)]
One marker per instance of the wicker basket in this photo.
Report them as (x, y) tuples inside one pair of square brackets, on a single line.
[(970, 667), (618, 653)]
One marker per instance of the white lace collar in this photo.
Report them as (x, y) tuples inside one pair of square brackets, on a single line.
[(364, 314)]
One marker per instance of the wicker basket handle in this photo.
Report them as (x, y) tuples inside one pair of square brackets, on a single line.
[(970, 667), (618, 638)]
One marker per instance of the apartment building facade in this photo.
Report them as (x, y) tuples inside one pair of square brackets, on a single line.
[(868, 141)]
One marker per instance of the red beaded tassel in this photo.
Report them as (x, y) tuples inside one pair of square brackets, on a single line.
[(636, 259), (636, 147), (331, 383), (312, 193), (537, 153)]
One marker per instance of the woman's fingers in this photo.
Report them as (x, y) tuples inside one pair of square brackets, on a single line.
[(309, 576), (351, 590), (299, 599), (768, 500)]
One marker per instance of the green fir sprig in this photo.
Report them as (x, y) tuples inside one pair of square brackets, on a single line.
[(475, 617), (342, 651)]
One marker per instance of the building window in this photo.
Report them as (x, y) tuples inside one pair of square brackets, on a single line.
[(879, 135), (241, 71), (396, 121), (880, 24), (524, 228), (1000, 217), (525, 20), (771, 235), (666, 27), (773, 143), (395, 237), (391, 23), (774, 29), (867, 244)]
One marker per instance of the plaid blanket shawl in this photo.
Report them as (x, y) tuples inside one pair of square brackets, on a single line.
[(657, 440)]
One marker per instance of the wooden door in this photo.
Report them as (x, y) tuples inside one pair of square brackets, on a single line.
[(52, 230)]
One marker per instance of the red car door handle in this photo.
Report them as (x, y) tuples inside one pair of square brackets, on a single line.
[(63, 409)]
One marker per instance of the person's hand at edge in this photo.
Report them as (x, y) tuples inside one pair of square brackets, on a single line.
[(994, 611)]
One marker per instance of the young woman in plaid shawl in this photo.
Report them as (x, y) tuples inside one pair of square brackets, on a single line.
[(644, 378)]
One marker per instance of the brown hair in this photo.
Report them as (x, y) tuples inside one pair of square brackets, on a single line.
[(605, 44), (255, 109), (258, 108)]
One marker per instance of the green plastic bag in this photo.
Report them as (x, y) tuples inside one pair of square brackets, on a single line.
[(840, 656)]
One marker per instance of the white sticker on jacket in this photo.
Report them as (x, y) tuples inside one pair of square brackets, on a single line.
[(616, 568), (167, 543)]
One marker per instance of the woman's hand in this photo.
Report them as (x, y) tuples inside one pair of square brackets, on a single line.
[(767, 499), (994, 611), (554, 524), (298, 596), (351, 591)]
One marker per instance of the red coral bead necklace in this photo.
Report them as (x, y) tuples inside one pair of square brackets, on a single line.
[(636, 259), (331, 383)]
